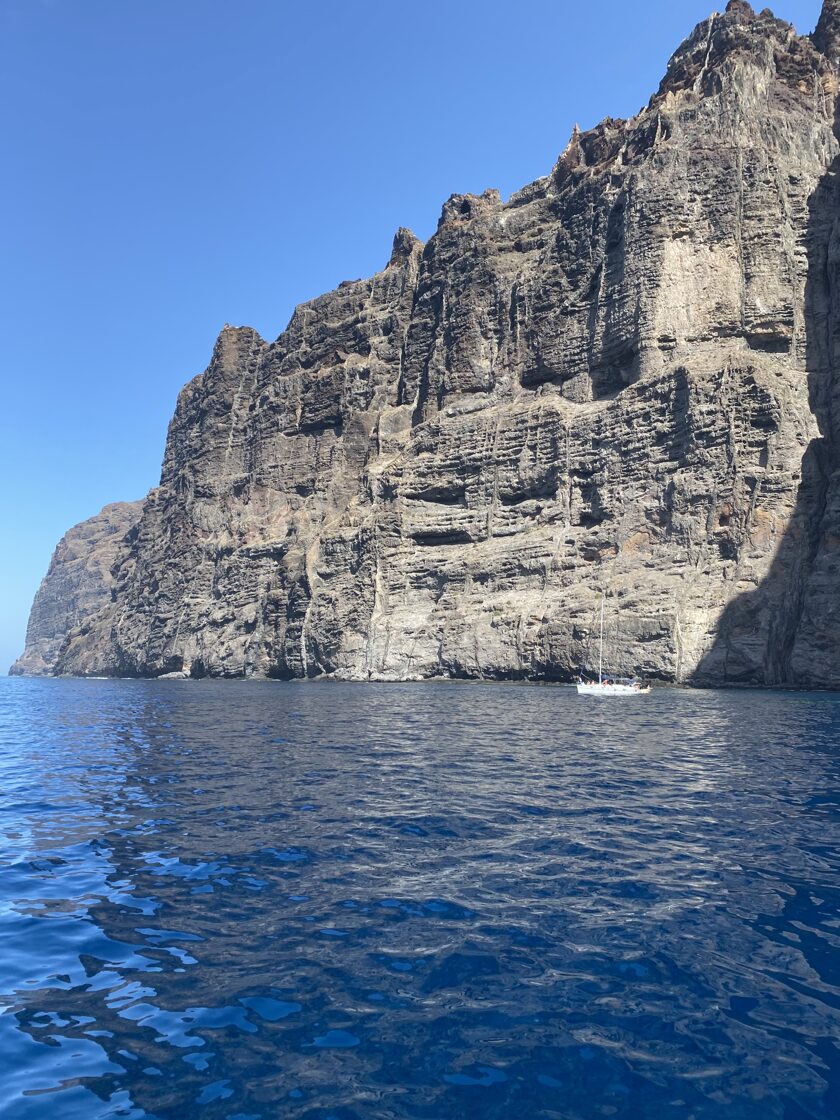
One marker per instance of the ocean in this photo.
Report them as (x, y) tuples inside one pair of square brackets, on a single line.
[(442, 900)]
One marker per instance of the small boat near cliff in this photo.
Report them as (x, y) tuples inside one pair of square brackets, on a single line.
[(607, 684), (612, 686)]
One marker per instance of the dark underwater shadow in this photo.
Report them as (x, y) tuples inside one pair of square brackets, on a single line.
[(787, 631)]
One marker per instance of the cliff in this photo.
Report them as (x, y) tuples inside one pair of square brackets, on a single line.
[(77, 585), (620, 379)]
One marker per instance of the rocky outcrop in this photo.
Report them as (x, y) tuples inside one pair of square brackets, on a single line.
[(619, 381), (826, 35), (77, 585)]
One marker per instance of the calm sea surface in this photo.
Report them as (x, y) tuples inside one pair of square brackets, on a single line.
[(258, 900)]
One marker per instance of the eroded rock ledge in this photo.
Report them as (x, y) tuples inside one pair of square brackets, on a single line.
[(622, 378)]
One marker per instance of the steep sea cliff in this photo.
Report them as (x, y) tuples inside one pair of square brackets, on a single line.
[(622, 379)]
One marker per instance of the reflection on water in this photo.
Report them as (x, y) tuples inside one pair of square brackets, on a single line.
[(251, 900)]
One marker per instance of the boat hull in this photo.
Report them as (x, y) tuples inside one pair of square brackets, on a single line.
[(610, 690)]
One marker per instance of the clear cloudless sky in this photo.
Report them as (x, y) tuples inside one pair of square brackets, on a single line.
[(172, 165)]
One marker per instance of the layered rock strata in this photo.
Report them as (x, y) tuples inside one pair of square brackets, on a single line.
[(620, 381)]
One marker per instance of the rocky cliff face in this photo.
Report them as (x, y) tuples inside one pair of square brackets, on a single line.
[(77, 585), (620, 380)]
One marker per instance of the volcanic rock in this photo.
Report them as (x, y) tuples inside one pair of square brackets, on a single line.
[(619, 382), (77, 585)]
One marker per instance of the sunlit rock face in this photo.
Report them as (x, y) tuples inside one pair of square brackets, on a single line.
[(619, 381), (77, 586)]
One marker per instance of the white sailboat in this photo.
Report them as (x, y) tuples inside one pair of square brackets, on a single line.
[(609, 685)]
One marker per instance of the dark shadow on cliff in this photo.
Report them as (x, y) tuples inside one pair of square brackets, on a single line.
[(781, 634)]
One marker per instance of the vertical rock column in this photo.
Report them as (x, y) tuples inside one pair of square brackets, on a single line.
[(826, 36)]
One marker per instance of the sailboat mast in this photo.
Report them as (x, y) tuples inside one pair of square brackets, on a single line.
[(601, 645)]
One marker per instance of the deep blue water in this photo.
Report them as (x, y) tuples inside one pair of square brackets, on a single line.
[(434, 901)]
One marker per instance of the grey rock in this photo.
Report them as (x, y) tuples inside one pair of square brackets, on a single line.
[(77, 585), (619, 381), (826, 35)]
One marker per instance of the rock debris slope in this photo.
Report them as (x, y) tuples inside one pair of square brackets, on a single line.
[(622, 378)]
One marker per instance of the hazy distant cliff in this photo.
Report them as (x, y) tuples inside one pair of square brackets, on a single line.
[(621, 378), (77, 585)]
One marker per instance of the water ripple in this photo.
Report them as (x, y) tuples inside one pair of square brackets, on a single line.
[(251, 900)]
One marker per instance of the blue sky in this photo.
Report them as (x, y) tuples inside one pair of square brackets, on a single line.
[(172, 165)]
